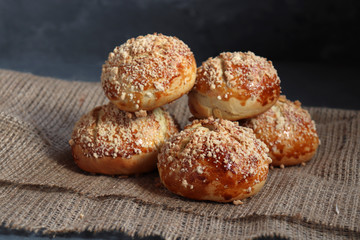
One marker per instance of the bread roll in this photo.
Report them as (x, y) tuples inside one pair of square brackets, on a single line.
[(148, 72), (110, 141), (288, 131), (234, 86), (214, 160)]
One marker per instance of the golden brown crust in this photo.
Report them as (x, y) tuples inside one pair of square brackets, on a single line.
[(214, 160), (110, 141), (234, 86), (136, 164), (147, 72), (288, 131)]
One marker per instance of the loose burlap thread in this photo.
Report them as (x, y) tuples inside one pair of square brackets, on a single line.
[(41, 189)]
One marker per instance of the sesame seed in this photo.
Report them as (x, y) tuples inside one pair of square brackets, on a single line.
[(237, 202)]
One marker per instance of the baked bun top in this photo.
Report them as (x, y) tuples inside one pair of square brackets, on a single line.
[(143, 71), (288, 130), (213, 159), (239, 75), (106, 131)]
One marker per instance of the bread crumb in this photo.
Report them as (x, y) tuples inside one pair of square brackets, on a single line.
[(149, 94), (158, 86), (81, 216), (297, 103), (237, 202), (337, 209), (141, 113), (199, 170), (184, 183), (71, 142), (271, 167), (129, 115), (282, 166), (123, 95), (303, 164)]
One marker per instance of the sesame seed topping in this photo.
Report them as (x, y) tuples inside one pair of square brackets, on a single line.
[(238, 74), (144, 65), (108, 131)]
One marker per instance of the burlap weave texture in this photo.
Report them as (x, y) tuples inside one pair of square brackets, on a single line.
[(41, 189)]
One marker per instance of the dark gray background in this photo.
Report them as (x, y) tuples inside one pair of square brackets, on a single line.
[(314, 44)]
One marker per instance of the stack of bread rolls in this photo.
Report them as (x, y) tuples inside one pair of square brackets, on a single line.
[(214, 157), (125, 135)]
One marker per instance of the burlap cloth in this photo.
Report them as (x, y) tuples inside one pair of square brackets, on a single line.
[(41, 189)]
